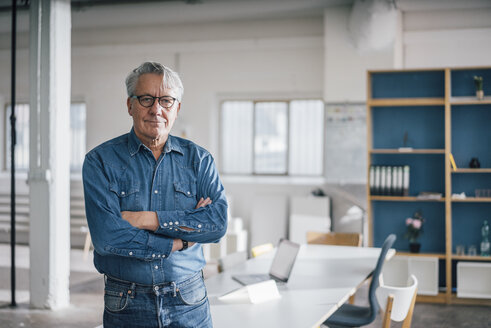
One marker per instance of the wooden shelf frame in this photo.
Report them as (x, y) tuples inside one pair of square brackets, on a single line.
[(409, 102), (482, 170), (407, 151), (441, 256), (448, 103), (470, 101), (470, 258), (471, 200), (403, 199)]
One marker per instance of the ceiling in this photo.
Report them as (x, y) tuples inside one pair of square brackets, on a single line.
[(106, 13), (115, 13)]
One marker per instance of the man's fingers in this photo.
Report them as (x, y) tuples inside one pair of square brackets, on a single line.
[(203, 202)]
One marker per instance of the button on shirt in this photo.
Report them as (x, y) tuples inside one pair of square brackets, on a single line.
[(123, 175)]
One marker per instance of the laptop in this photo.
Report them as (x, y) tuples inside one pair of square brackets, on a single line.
[(281, 267)]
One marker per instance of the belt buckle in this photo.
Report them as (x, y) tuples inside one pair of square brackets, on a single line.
[(174, 288)]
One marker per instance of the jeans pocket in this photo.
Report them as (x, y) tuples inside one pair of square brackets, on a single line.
[(115, 301), (193, 293)]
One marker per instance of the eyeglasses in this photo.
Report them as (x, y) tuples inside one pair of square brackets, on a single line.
[(147, 101)]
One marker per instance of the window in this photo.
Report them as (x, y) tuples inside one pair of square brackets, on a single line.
[(77, 137), (273, 137)]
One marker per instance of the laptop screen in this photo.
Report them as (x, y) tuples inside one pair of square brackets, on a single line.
[(284, 259)]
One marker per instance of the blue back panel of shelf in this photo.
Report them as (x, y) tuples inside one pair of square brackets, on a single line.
[(426, 171), (467, 220), (469, 182), (471, 134), (390, 217), (420, 84), (425, 127), (463, 82), (442, 273)]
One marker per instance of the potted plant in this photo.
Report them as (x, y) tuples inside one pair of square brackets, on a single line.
[(414, 228), (478, 84)]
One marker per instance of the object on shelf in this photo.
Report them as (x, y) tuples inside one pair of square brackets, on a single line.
[(459, 196), (452, 162), (474, 163), (460, 250), (479, 91), (389, 180), (472, 250), (485, 251), (482, 193), (414, 247), (405, 140), (414, 227), (429, 195)]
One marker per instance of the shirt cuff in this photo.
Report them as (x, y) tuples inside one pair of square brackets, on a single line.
[(173, 220)]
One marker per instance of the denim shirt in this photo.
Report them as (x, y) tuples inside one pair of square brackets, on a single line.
[(123, 175)]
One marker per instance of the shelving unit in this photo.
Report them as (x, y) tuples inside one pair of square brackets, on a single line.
[(420, 118)]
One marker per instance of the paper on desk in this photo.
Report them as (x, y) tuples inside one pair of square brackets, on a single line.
[(255, 293)]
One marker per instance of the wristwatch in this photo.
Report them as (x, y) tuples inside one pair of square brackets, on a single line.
[(184, 246)]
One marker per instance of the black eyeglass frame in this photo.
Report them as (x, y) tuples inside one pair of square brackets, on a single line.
[(153, 100)]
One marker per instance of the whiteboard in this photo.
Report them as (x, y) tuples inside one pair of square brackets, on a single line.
[(346, 146)]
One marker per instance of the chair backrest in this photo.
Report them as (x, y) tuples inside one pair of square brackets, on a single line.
[(261, 249), (231, 260), (334, 238), (404, 298), (374, 284)]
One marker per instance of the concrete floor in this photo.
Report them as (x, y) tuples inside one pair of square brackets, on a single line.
[(86, 298)]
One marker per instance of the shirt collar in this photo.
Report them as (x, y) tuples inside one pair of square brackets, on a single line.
[(173, 144), (134, 144)]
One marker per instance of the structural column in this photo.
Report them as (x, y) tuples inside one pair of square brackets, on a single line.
[(49, 153)]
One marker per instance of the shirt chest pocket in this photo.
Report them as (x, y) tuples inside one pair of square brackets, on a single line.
[(128, 193), (185, 195)]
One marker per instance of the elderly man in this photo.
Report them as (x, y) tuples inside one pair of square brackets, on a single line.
[(151, 199)]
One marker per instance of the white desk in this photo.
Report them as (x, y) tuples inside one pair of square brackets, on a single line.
[(322, 280)]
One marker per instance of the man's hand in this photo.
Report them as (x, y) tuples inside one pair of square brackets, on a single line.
[(203, 202)]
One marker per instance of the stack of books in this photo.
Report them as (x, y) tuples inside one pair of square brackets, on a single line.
[(389, 180)]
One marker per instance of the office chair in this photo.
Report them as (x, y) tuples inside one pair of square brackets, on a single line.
[(334, 238), (398, 302), (349, 315)]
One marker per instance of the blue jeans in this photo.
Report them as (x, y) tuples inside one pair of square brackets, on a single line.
[(184, 304)]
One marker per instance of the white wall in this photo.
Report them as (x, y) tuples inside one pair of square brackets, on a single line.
[(265, 57), (447, 38), (344, 66), (282, 57)]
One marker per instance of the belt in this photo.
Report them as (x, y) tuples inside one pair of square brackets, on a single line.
[(162, 288)]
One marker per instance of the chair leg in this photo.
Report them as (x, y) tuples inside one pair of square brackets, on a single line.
[(388, 312), (407, 322)]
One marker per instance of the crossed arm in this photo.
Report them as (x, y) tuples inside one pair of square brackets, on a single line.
[(148, 220), (116, 233)]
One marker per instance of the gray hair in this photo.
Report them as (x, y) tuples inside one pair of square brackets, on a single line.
[(170, 78)]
